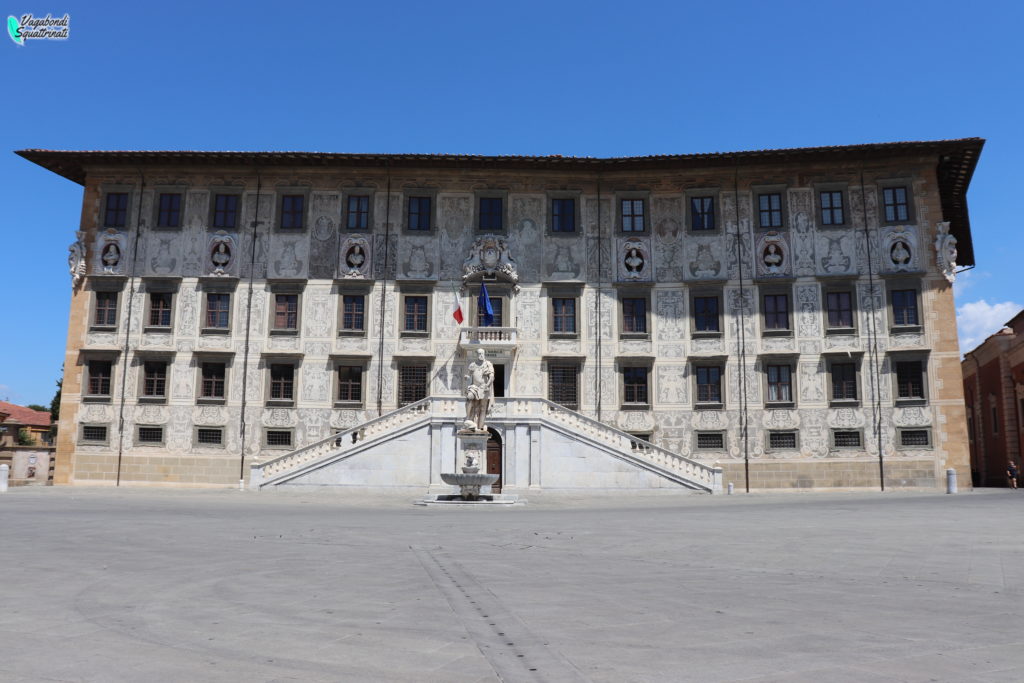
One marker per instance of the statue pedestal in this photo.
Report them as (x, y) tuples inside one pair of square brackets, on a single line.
[(472, 451)]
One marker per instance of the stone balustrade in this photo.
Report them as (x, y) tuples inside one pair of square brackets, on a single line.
[(493, 337)]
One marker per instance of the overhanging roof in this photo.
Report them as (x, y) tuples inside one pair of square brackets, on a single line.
[(955, 159)]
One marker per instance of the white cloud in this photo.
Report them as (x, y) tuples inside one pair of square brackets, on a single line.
[(976, 320)]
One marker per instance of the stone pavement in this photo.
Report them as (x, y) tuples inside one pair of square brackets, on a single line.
[(162, 585)]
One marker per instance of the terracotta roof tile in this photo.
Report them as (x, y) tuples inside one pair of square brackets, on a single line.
[(25, 416)]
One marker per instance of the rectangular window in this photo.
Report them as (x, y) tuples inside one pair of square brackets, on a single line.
[(702, 213), (169, 211), (782, 441), (705, 313), (563, 384), (416, 314), (225, 211), (350, 383), (632, 215), (770, 210), (709, 384), (492, 213), (286, 312), (412, 383), (780, 383), (160, 309), (563, 214), (904, 307), (151, 434), (710, 441), (279, 438), (154, 381), (915, 437), (419, 213), (840, 309), (116, 214), (832, 208), (563, 315), (844, 381), (845, 439), (634, 386), (910, 380), (358, 212), (218, 310), (212, 385), (293, 208), (894, 200), (776, 311), (497, 307), (106, 309), (634, 315), (353, 312), (99, 377), (94, 433), (282, 382), (210, 436)]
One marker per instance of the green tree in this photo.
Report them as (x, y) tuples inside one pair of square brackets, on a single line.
[(25, 437), (55, 406), (36, 406)]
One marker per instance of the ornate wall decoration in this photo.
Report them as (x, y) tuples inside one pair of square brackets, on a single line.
[(708, 346), (151, 414), (111, 255), (808, 303), (209, 415), (773, 255), (527, 314), (76, 259), (163, 254), (898, 250), (188, 305), (283, 343), (671, 383), (670, 307), (346, 344), (279, 417), (803, 238), (709, 419), (312, 349), (635, 346), (382, 252), (634, 261), (871, 302), (672, 351), (810, 382), (911, 416), (636, 421), (355, 257), (100, 339), (413, 344), (489, 257), (455, 212), (607, 314), (564, 346), (318, 316), (780, 419), (945, 251), (222, 252), (314, 382), (845, 418), (836, 253), (704, 260), (323, 228), (814, 436), (291, 260), (564, 264)]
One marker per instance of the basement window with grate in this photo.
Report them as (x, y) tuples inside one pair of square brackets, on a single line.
[(279, 438), (210, 436), (710, 441)]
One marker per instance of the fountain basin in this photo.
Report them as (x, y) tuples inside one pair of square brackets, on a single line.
[(469, 479)]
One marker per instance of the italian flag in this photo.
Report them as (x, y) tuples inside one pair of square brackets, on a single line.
[(457, 311)]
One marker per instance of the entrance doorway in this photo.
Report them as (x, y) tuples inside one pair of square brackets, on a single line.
[(494, 449), (499, 380)]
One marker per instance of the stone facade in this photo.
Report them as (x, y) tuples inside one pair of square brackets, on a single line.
[(709, 303), (993, 376)]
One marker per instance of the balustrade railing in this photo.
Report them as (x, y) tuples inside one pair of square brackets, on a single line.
[(488, 335)]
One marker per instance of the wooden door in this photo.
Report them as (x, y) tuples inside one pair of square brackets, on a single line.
[(494, 462)]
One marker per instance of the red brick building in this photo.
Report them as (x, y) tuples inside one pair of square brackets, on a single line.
[(994, 395)]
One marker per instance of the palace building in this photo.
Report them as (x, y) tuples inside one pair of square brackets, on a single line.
[(777, 319)]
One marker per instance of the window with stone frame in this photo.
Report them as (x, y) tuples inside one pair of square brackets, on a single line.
[(218, 310), (169, 210), (702, 213), (115, 213), (150, 434), (491, 214), (415, 315), (350, 384), (497, 307), (910, 380), (154, 379), (563, 316), (776, 311), (160, 309), (293, 211), (105, 312), (839, 309), (282, 382), (413, 382), (563, 384), (779, 383), (631, 214), (709, 384), (210, 436), (895, 204), (904, 307), (353, 312), (635, 386), (769, 209), (563, 214), (357, 212), (844, 381), (225, 211), (278, 438), (419, 213), (706, 314), (212, 383), (99, 375), (832, 209), (286, 312), (634, 315)]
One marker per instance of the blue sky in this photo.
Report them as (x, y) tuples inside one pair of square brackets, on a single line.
[(574, 78)]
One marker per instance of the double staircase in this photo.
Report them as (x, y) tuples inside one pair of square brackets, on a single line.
[(363, 440)]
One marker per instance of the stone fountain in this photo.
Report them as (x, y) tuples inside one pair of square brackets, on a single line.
[(472, 445)]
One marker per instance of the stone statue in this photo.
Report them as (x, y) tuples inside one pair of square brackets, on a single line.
[(479, 391), (76, 259)]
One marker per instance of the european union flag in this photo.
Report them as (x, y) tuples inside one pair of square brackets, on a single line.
[(483, 305)]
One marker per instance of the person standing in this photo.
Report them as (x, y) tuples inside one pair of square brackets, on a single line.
[(1011, 473)]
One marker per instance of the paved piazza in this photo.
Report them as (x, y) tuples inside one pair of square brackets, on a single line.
[(161, 585)]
